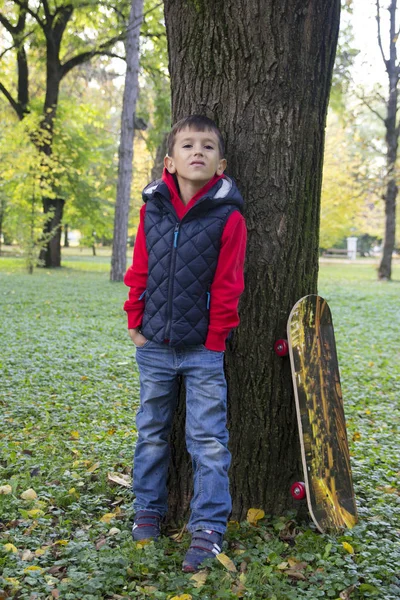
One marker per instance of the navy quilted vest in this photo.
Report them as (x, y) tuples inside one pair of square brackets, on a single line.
[(183, 256)]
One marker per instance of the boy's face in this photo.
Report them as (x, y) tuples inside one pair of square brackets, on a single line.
[(195, 157)]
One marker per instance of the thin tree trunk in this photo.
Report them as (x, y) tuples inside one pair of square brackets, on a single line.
[(262, 71), (158, 166), (120, 238), (392, 139), (66, 240)]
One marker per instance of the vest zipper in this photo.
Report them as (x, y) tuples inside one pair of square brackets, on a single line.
[(171, 282)]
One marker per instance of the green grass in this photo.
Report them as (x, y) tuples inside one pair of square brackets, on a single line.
[(68, 396)]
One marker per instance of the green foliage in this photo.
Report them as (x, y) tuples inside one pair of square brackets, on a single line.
[(68, 395)]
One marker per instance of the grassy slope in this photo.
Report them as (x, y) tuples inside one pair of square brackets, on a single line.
[(68, 395)]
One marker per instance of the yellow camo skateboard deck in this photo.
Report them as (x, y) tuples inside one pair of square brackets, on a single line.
[(320, 414)]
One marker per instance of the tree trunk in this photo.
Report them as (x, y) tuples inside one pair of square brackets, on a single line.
[(120, 238), (262, 71), (158, 166), (392, 140), (50, 255), (66, 240)]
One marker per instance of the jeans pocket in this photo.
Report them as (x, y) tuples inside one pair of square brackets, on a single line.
[(144, 345), (212, 351)]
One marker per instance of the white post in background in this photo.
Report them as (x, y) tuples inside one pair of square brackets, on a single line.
[(352, 247)]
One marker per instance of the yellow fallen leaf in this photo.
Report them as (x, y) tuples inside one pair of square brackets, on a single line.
[(124, 480), (71, 491), (5, 489), (93, 467), (254, 515), (61, 543), (348, 547), (143, 543), (107, 518), (84, 378), (33, 568), (75, 435), (182, 597), (35, 513), (41, 551), (13, 582), (199, 578), (356, 436), (29, 494), (50, 580), (226, 561), (10, 548), (282, 566)]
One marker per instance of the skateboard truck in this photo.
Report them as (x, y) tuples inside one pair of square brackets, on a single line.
[(281, 347)]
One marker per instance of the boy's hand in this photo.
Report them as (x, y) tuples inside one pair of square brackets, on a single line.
[(137, 338)]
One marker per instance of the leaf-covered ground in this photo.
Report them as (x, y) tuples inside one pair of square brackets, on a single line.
[(68, 395)]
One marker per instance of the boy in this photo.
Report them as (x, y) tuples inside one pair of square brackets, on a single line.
[(185, 283)]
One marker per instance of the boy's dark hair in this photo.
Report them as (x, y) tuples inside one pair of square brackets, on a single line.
[(197, 123)]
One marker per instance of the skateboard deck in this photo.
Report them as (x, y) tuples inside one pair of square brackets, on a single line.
[(320, 415)]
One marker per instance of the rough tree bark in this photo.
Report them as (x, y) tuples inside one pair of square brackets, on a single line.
[(120, 237), (262, 70), (392, 127)]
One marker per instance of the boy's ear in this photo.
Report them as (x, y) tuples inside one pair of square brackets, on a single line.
[(221, 166), (169, 164)]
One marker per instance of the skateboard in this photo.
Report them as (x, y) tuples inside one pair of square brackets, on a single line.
[(328, 483)]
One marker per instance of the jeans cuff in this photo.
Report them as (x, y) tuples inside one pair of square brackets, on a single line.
[(202, 526)]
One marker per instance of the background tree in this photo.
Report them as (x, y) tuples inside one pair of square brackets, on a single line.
[(392, 128), (118, 259), (59, 29), (263, 72)]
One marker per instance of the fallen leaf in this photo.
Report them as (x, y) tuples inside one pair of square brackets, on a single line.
[(356, 436), (254, 515), (346, 594), (61, 543), (282, 566), (182, 597), (5, 489), (13, 582), (123, 480), (107, 517), (149, 589), (33, 568), (27, 555), (114, 531), (75, 435), (35, 513), (55, 593), (226, 561), (295, 574), (199, 578), (29, 494), (93, 468), (348, 547), (10, 548)]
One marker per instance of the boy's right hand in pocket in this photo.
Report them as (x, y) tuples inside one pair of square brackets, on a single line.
[(137, 338)]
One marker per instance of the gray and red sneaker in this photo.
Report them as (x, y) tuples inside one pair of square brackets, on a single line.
[(146, 525), (205, 544)]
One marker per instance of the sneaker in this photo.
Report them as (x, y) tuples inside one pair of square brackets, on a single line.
[(205, 544), (146, 525)]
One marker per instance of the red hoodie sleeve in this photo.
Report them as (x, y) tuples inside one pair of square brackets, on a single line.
[(136, 277), (228, 283)]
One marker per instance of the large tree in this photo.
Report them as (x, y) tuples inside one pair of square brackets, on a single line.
[(262, 69)]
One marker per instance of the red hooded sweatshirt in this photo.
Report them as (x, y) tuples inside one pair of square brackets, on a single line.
[(228, 283)]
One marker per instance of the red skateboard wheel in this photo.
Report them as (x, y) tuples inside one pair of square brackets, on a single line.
[(298, 490), (281, 347)]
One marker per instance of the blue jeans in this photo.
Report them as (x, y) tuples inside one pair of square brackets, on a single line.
[(206, 431)]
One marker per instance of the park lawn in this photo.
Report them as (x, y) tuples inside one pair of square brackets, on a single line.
[(68, 395)]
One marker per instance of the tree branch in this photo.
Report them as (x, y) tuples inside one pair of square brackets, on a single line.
[(24, 5), (6, 23), (368, 105), (378, 20), (12, 102)]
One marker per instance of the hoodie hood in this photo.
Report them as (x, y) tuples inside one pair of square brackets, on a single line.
[(224, 191)]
